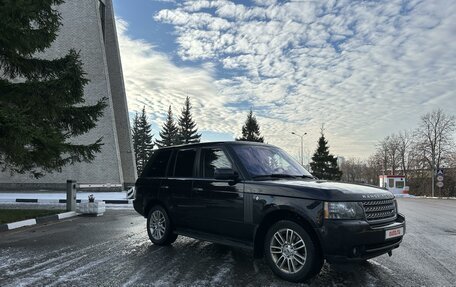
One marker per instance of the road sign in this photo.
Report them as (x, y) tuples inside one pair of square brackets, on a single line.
[(440, 184), (440, 178), (440, 172)]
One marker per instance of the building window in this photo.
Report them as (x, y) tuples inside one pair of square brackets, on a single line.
[(102, 10), (391, 182)]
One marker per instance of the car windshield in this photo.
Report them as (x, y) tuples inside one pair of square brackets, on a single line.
[(269, 162)]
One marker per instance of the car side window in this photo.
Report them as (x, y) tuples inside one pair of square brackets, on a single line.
[(212, 158), (156, 167), (185, 160)]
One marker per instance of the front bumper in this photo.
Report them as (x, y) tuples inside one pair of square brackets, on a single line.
[(356, 240)]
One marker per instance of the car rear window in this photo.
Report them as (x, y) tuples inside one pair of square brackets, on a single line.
[(156, 167)]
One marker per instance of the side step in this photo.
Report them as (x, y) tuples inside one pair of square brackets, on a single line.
[(213, 238)]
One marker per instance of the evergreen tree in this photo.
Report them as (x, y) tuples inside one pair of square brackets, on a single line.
[(41, 100), (251, 130), (169, 133), (142, 140), (324, 165), (188, 133), (135, 134)]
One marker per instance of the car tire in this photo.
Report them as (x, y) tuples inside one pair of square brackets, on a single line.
[(291, 252), (159, 226), (317, 266)]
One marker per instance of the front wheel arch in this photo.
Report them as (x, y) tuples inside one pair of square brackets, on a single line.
[(290, 251), (278, 215)]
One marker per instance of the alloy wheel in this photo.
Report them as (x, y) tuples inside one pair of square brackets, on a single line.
[(288, 251), (157, 225)]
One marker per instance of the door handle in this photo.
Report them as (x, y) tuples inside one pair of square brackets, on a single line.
[(164, 186), (198, 189)]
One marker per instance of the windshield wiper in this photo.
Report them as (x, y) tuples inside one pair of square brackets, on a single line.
[(274, 175), (307, 176)]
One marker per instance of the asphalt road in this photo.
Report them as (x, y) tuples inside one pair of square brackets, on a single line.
[(114, 250)]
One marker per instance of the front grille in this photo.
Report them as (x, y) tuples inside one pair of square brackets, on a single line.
[(379, 210)]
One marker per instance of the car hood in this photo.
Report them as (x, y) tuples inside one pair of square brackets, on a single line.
[(325, 190)]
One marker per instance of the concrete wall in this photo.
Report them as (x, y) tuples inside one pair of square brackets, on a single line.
[(119, 98), (82, 30)]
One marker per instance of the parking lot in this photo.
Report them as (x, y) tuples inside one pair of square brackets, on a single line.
[(114, 250)]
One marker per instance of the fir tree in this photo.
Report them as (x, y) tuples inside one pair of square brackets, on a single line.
[(41, 100), (135, 134), (324, 165), (169, 133), (251, 130), (188, 133), (142, 140)]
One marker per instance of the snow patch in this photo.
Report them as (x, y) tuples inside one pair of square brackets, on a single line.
[(381, 266)]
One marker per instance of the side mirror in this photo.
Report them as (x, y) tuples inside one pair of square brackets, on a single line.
[(225, 174)]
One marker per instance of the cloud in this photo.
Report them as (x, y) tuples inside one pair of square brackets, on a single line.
[(154, 81), (364, 68)]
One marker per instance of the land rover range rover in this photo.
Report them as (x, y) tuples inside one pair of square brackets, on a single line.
[(256, 196)]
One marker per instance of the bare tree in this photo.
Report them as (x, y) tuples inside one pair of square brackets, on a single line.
[(352, 170), (375, 167), (392, 149), (435, 135), (406, 154), (382, 154), (388, 153)]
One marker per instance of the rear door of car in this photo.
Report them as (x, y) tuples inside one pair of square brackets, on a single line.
[(149, 183), (179, 186)]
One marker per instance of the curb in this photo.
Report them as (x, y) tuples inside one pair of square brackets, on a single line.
[(430, 197), (34, 200), (33, 221)]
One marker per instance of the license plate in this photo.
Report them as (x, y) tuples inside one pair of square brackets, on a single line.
[(394, 233)]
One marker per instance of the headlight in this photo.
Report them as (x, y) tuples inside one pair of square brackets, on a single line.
[(343, 210)]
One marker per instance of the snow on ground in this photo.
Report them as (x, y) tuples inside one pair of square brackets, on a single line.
[(7, 197)]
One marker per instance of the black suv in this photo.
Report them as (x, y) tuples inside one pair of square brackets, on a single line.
[(256, 196)]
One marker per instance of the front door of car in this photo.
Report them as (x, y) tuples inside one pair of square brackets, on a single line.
[(220, 202), (179, 185)]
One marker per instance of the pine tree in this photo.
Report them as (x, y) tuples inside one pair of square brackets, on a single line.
[(142, 140), (136, 137), (188, 133), (41, 100), (324, 165), (251, 130), (169, 133)]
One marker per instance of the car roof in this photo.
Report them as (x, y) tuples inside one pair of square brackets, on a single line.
[(195, 145)]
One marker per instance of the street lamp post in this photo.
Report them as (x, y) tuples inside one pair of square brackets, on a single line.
[(302, 146)]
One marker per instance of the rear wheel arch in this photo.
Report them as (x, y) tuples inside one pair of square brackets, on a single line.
[(159, 226), (277, 215), (152, 203)]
